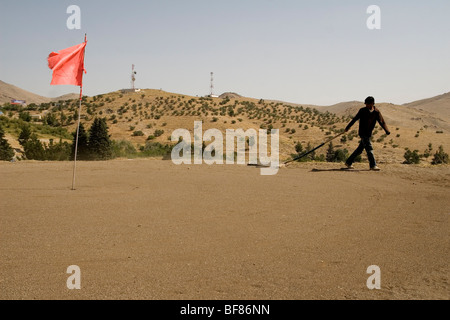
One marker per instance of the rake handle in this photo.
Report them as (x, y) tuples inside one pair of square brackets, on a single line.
[(320, 146)]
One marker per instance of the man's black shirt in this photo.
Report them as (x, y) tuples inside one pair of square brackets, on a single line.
[(367, 120)]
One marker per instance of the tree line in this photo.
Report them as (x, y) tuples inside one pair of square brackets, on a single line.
[(93, 145), (96, 144)]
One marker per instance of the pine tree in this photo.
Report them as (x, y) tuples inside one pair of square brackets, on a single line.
[(330, 157), (6, 152), (34, 149), (24, 135), (100, 146), (83, 146), (299, 148), (312, 155)]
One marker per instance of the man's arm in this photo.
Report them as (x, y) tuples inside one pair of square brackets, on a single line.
[(356, 118), (383, 124)]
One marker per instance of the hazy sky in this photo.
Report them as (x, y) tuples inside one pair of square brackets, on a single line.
[(312, 52)]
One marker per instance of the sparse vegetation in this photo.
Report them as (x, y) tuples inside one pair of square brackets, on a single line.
[(428, 151), (6, 151), (155, 149), (158, 133), (123, 149), (138, 133), (440, 157), (156, 111), (411, 157), (338, 155)]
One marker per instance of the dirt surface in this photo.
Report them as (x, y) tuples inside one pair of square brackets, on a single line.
[(147, 229)]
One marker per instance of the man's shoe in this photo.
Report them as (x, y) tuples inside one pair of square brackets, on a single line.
[(349, 166), (375, 168)]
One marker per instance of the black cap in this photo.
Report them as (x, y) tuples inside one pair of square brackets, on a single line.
[(369, 100)]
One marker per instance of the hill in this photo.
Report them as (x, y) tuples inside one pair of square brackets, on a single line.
[(398, 115), (439, 105), (69, 96), (150, 116), (9, 92), (230, 95)]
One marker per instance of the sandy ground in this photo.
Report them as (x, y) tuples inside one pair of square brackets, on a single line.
[(147, 229)]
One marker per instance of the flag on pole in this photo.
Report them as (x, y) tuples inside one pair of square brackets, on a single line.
[(68, 68), (68, 65)]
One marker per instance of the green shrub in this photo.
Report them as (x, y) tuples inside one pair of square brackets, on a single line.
[(428, 151), (339, 155), (25, 116), (34, 149), (155, 149), (138, 133), (411, 157), (57, 151), (123, 149), (440, 157), (158, 133)]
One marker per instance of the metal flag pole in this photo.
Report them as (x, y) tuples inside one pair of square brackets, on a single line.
[(78, 131), (76, 140)]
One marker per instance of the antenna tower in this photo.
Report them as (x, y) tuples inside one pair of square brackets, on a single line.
[(133, 78), (212, 83)]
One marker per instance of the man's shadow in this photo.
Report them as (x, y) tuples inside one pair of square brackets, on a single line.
[(340, 170)]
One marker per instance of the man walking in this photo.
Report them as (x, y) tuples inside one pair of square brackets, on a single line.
[(367, 116)]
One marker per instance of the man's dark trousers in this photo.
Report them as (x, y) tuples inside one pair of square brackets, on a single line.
[(367, 145)]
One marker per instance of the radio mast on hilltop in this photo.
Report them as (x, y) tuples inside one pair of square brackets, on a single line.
[(212, 83), (212, 86), (133, 78)]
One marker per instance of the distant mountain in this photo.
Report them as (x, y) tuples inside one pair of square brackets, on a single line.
[(68, 96), (344, 108), (10, 92), (399, 115), (440, 105)]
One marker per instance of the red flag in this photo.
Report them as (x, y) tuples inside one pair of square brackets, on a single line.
[(68, 65)]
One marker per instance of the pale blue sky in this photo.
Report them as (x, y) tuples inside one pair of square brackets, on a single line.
[(312, 52)]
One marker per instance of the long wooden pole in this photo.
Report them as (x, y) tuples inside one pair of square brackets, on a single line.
[(320, 146)]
